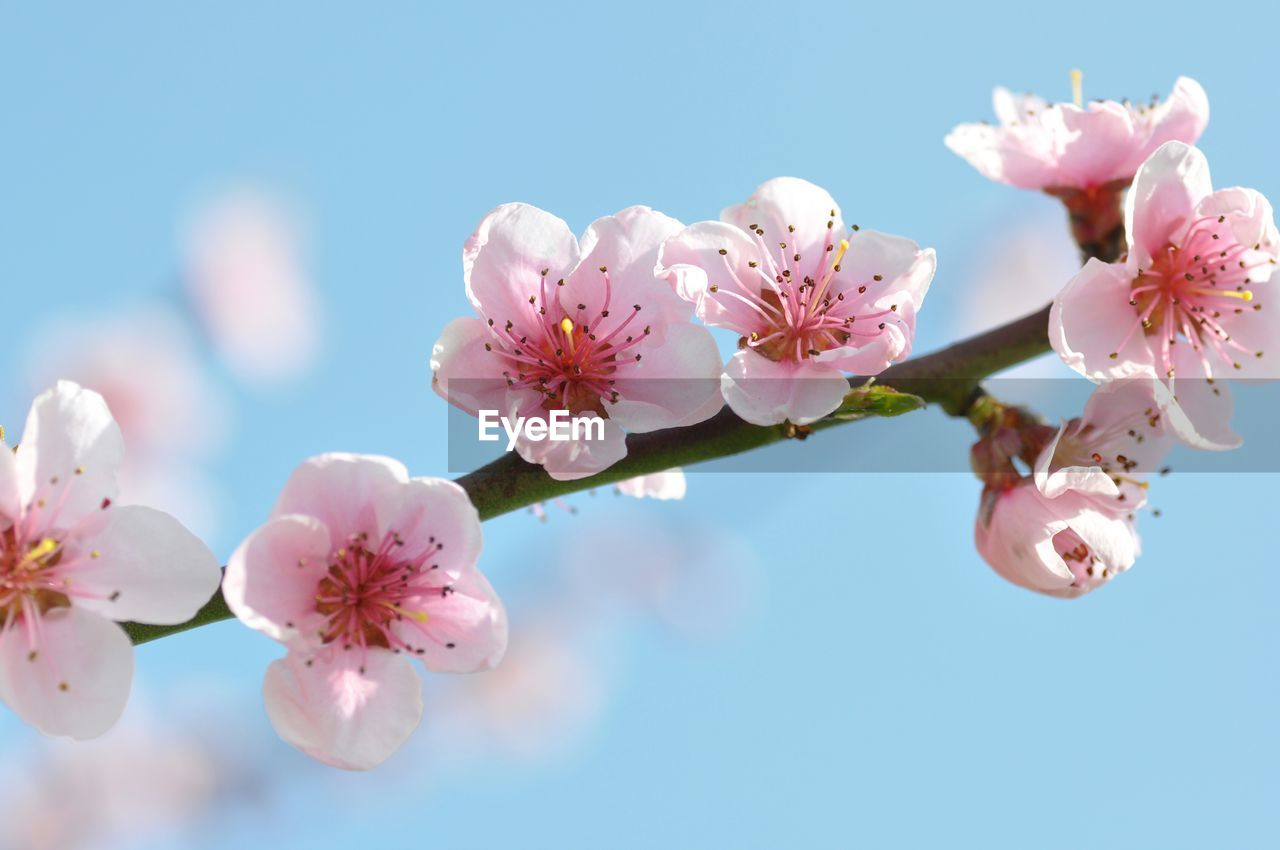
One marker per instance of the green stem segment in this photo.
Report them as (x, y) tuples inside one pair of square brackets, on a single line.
[(948, 378)]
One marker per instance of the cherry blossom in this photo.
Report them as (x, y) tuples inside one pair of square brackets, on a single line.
[(1192, 298), (585, 328), (246, 279), (1064, 146), (1106, 454), (809, 298), (72, 562), (1062, 546), (359, 569)]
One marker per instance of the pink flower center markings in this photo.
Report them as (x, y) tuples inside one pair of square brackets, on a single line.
[(1188, 288), (36, 569), (568, 358), (800, 314), (366, 592)]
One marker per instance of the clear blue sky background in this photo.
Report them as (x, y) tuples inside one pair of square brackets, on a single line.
[(886, 690)]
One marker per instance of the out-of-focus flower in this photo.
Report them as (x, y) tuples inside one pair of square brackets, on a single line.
[(810, 299), (1017, 267), (542, 699), (585, 328), (698, 584), (145, 365), (1063, 146), (173, 418), (244, 275), (72, 562), (152, 781), (1064, 546), (659, 485), (359, 569), (1193, 296)]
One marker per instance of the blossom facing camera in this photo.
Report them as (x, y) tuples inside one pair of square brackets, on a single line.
[(73, 564), (1064, 546), (1057, 147), (1193, 296), (359, 569), (809, 298), (581, 327)]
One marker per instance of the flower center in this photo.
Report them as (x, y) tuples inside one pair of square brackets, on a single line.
[(366, 592), (1189, 289), (30, 583), (568, 357), (1087, 568), (800, 314)]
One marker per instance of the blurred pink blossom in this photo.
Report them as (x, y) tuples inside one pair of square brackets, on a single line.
[(173, 417), (245, 276)]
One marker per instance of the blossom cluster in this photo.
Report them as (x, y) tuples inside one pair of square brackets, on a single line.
[(361, 568), (1182, 304)]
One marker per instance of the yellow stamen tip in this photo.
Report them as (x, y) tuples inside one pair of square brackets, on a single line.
[(44, 547), (844, 246), (1077, 86)]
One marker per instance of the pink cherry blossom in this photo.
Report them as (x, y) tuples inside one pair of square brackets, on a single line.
[(658, 485), (1063, 146), (585, 328), (809, 298), (1106, 454), (359, 569), (1063, 546), (1192, 298), (72, 562), (246, 278)]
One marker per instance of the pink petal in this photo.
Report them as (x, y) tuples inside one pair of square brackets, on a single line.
[(346, 492), (569, 460), (1249, 215), (1181, 117), (273, 575), (349, 709), (1164, 196), (783, 203), (1090, 319), (75, 681), (465, 628), (674, 381), (626, 244), (10, 488), (503, 261), (1196, 410), (464, 372), (1053, 483), (1101, 139), (68, 458), (148, 567), (691, 261), (1003, 155), (765, 392), (906, 270), (433, 515)]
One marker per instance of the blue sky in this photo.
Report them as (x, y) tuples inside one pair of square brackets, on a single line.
[(884, 689)]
